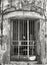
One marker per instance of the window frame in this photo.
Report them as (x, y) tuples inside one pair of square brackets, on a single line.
[(18, 36)]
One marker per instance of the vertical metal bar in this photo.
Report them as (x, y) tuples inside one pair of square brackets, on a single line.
[(32, 36), (32, 33), (18, 36), (23, 27), (28, 36)]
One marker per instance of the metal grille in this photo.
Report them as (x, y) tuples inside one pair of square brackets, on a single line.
[(23, 45)]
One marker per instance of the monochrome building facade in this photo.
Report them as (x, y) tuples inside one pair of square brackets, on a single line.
[(24, 32)]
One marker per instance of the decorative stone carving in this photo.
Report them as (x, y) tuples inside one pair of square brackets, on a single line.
[(31, 5)]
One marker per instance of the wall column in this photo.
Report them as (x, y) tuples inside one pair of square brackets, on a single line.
[(42, 40)]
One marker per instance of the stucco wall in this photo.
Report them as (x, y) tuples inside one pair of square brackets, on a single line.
[(6, 41), (5, 48), (43, 40)]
